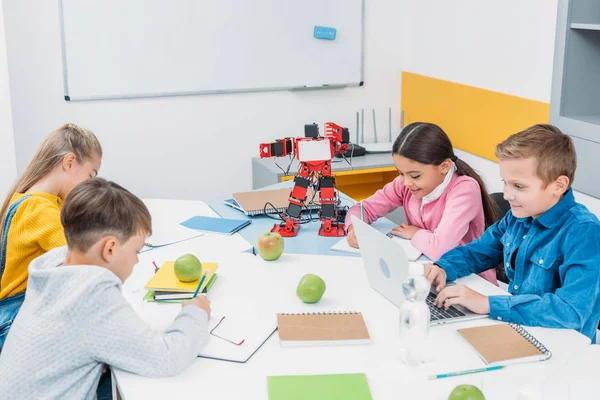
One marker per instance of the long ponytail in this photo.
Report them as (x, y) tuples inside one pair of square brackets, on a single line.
[(490, 208), (68, 138), (427, 143)]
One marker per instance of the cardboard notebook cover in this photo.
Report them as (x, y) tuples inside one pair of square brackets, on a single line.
[(330, 328), (505, 344), (253, 203), (165, 280)]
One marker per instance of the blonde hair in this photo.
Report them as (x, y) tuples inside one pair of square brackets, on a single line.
[(553, 150), (68, 138), (96, 208)]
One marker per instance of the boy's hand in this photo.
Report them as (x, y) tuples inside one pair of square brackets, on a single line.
[(405, 230), (352, 237), (200, 301), (466, 297), (436, 276)]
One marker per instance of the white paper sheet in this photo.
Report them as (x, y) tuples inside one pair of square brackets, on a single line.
[(412, 253)]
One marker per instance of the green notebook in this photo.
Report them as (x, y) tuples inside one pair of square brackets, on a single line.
[(319, 387), (149, 297)]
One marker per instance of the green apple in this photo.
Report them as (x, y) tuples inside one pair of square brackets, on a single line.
[(311, 288), (270, 246), (188, 268), (466, 392)]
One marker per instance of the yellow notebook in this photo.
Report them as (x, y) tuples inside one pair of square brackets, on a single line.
[(165, 280)]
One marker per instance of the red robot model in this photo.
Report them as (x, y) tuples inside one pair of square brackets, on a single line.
[(314, 153)]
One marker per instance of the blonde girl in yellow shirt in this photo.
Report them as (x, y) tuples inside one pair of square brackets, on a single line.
[(30, 215)]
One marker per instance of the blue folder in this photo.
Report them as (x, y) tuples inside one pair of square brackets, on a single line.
[(216, 225)]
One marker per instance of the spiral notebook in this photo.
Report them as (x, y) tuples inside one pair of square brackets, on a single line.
[(271, 201), (322, 328), (505, 344)]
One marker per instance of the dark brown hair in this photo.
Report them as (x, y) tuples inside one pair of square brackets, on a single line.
[(96, 208), (553, 150), (427, 143)]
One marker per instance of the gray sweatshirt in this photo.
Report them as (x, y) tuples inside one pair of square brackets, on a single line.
[(74, 320)]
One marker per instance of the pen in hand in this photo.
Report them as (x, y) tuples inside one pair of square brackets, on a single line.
[(200, 284)]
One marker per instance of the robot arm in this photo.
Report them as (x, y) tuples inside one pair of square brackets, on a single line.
[(278, 148), (340, 137)]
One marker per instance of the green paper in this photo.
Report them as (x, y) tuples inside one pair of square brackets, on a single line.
[(319, 387)]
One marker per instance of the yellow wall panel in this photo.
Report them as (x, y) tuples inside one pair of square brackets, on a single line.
[(475, 119)]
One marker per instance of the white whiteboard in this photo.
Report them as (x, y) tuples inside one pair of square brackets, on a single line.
[(143, 48)]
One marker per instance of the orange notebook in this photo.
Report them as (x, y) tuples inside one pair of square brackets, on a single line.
[(329, 328), (505, 344), (165, 280)]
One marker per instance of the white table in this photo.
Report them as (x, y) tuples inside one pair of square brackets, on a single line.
[(271, 287), (167, 216)]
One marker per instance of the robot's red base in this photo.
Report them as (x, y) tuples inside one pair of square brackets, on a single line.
[(281, 229), (335, 231)]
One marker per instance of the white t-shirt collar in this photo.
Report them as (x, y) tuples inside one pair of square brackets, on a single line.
[(437, 192)]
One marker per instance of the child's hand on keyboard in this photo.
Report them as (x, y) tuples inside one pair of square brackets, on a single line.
[(465, 296), (436, 276)]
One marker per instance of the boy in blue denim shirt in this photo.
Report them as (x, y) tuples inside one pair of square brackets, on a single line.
[(548, 243)]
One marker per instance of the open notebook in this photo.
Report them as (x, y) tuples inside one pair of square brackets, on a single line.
[(412, 253), (322, 328), (271, 201), (236, 337), (505, 344)]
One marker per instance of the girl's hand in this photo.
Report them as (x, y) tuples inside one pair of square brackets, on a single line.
[(466, 297), (352, 237), (405, 230)]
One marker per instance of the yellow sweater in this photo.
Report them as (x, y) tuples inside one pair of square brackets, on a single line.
[(34, 230)]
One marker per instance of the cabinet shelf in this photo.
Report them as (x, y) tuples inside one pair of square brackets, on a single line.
[(590, 119), (575, 101), (587, 27)]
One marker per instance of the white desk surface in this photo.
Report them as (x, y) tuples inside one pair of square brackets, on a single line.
[(249, 283), (167, 216)]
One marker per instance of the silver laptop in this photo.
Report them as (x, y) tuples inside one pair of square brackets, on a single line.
[(387, 267)]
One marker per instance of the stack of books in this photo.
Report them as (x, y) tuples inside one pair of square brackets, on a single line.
[(165, 287)]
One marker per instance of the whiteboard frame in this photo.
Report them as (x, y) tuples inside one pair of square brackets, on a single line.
[(67, 97)]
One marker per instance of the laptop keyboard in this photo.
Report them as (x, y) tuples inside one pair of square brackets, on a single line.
[(439, 313)]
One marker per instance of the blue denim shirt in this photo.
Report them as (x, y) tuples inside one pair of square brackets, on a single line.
[(555, 279)]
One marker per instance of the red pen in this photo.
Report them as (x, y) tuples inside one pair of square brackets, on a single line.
[(155, 266)]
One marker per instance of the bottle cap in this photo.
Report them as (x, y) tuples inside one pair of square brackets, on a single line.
[(416, 288)]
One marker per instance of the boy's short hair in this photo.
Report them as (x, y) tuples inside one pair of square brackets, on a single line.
[(553, 150), (97, 208)]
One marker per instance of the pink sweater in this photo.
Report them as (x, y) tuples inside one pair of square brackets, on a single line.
[(455, 218)]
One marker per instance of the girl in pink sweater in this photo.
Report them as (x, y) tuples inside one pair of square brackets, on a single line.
[(445, 201)]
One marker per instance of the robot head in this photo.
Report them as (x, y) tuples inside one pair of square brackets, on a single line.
[(311, 130)]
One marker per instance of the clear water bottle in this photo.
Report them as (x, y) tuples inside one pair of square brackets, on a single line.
[(414, 320)]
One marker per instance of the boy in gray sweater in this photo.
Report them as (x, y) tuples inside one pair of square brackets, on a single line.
[(74, 320)]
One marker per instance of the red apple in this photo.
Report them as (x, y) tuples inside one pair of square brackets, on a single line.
[(270, 246)]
